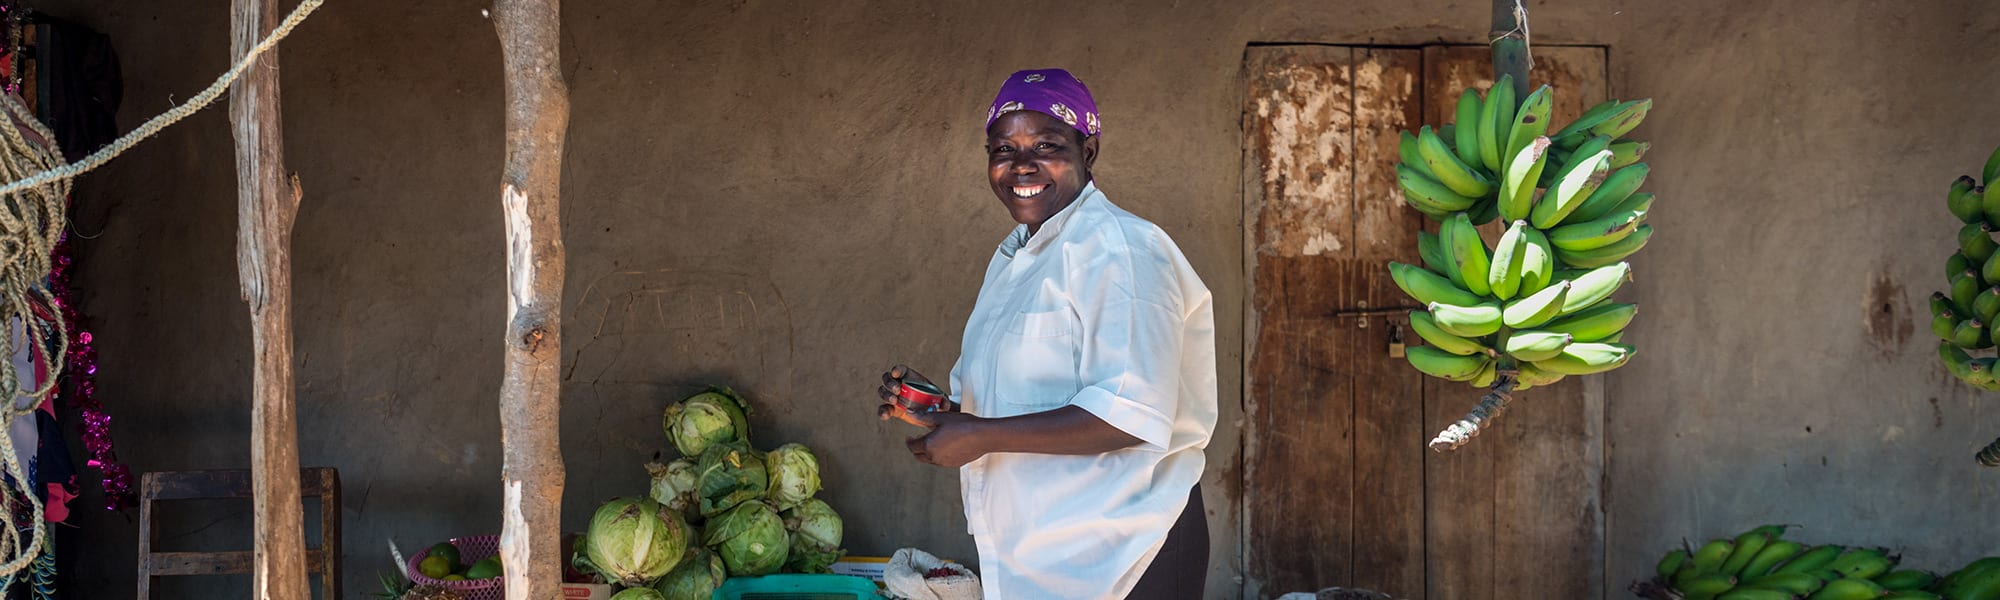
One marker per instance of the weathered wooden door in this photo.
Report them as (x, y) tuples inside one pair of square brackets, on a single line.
[(1339, 488)]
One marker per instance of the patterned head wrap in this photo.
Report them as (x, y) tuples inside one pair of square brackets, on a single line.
[(1053, 92)]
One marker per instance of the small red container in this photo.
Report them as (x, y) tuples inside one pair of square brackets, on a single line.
[(920, 397)]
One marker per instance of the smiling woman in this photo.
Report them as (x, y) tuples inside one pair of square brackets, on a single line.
[(1087, 375)]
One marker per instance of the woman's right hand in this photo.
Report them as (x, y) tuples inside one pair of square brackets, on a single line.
[(891, 391)]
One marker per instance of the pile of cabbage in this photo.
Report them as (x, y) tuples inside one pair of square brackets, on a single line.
[(723, 509)]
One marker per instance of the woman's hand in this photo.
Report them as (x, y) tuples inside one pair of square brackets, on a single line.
[(891, 391), (955, 439)]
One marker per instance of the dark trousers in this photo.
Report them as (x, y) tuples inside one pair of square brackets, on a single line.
[(1180, 571)]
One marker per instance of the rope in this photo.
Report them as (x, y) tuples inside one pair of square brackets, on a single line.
[(32, 220), (16, 183)]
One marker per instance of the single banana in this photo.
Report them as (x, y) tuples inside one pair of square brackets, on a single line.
[(1968, 207), (1443, 163), (1445, 365), (1955, 360), (1498, 119), (1964, 289), (1428, 287), (1912, 595), (1992, 170), (1432, 253), (1590, 118), (1533, 345), (1530, 122), (1990, 271), (1465, 136), (1485, 376), (1812, 560), (1594, 234), (1595, 286), (1671, 562), (1748, 544), (1984, 585), (1797, 583), (1531, 376), (1428, 194), (1595, 324), (1907, 579), (1773, 553), (1586, 358), (1467, 252), (1955, 264), (1750, 593), (1627, 118), (1971, 334), (1975, 241), (1639, 203), (1941, 304), (1524, 172), (1957, 583), (1406, 149), (1572, 188), (1503, 274), (1538, 262), (1706, 587), (1849, 589), (1617, 187), (1980, 371), (1989, 203), (1628, 152), (1537, 308), (1987, 304), (1610, 254), (1472, 321), (1942, 325), (1863, 563), (1427, 328)]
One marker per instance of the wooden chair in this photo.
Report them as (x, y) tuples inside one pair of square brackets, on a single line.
[(320, 482)]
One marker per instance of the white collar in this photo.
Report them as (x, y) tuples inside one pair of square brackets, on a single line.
[(1050, 229)]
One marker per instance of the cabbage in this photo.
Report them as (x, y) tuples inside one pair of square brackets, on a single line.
[(634, 542), (794, 475), (751, 539), (695, 579), (673, 484), (716, 415), (815, 532), (637, 593), (729, 474)]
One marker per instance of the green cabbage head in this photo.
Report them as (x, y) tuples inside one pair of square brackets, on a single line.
[(710, 417), (695, 579), (673, 484), (815, 532), (794, 475), (750, 538), (728, 474), (634, 542)]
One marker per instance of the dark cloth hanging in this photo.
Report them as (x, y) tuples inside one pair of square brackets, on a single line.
[(78, 86)]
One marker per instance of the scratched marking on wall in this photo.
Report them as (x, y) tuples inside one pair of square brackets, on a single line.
[(659, 326), (1306, 121)]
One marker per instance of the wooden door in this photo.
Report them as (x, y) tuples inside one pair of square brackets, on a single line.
[(1339, 488)]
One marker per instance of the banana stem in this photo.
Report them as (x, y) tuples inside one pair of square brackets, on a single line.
[(1654, 590), (1490, 407), (1990, 456), (1510, 44)]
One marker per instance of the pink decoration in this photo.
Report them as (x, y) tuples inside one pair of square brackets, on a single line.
[(81, 370)]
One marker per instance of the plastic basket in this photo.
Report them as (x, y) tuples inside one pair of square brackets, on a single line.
[(797, 587), (470, 549)]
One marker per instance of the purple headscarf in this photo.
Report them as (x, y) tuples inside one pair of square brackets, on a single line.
[(1053, 92)]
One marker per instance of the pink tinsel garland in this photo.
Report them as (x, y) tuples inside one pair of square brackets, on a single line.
[(81, 369)]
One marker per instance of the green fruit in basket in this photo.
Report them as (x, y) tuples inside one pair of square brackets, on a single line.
[(436, 566), (449, 552), (453, 577), (486, 568), (638, 593)]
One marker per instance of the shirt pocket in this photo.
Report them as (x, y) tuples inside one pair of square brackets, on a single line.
[(1037, 362)]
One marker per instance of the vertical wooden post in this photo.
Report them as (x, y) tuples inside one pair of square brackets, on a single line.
[(267, 204), (530, 416), (1510, 44)]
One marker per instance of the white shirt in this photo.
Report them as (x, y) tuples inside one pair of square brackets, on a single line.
[(1099, 310)]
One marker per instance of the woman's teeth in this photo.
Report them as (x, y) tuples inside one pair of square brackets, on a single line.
[(1028, 191)]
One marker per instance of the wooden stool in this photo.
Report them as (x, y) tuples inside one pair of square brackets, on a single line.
[(321, 482)]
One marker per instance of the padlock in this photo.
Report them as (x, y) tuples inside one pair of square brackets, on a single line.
[(1395, 340)]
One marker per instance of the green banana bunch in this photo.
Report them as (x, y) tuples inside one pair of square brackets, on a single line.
[(1964, 313), (1535, 301)]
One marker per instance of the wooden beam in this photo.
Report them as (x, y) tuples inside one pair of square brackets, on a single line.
[(537, 105), (267, 204)]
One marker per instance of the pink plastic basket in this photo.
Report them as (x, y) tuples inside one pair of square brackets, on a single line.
[(470, 549)]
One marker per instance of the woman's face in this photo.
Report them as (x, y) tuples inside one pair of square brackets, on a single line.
[(1037, 165)]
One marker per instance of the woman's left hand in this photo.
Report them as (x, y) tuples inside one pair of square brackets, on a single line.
[(955, 439)]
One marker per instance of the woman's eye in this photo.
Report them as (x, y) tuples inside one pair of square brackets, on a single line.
[(1045, 147)]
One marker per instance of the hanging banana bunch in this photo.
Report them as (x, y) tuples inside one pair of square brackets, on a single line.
[(1961, 315), (1534, 306)]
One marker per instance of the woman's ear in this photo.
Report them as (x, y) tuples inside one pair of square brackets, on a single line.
[(1089, 152)]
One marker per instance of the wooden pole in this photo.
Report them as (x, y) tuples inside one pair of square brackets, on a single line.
[(1510, 44), (267, 203), (530, 417)]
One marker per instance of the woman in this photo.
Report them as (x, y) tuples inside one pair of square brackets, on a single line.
[(1086, 380)]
